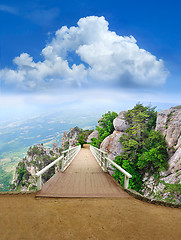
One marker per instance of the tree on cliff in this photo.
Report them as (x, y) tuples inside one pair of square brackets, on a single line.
[(144, 149)]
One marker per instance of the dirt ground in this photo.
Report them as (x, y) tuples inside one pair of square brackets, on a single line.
[(26, 217)]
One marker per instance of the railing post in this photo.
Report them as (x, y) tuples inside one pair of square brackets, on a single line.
[(39, 183), (68, 154), (105, 162), (62, 165), (126, 182), (101, 158), (57, 167)]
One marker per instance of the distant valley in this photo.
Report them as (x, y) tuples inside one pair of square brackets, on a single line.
[(16, 137)]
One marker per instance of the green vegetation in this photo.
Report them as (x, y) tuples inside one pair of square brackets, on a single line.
[(36, 157), (35, 151), (18, 136), (79, 135), (105, 128), (83, 135), (173, 191), (81, 140), (5, 180), (144, 149), (22, 171)]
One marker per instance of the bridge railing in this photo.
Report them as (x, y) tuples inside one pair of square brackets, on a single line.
[(60, 163), (103, 160)]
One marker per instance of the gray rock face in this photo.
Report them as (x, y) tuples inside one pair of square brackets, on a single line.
[(56, 148), (169, 123), (36, 159), (70, 139), (94, 134), (172, 176), (120, 124), (174, 168), (65, 140), (112, 146), (111, 143)]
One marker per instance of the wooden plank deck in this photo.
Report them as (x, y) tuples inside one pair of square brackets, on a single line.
[(83, 178)]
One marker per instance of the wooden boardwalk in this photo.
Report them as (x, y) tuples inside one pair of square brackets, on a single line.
[(83, 178)]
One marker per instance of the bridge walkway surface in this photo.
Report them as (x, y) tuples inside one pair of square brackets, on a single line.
[(83, 178)]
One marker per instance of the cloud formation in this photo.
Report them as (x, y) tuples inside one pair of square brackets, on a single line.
[(89, 54)]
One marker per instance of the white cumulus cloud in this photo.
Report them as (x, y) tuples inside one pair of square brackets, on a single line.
[(85, 55)]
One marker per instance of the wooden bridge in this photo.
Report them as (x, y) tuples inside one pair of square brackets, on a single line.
[(85, 177)]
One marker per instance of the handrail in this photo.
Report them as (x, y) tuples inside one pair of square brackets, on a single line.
[(119, 168), (48, 167), (66, 159), (69, 149), (102, 159)]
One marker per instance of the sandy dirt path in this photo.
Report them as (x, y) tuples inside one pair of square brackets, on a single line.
[(24, 217)]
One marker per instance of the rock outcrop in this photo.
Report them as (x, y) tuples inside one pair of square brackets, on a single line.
[(70, 139), (37, 158), (111, 144), (169, 124), (56, 148), (120, 124), (94, 134), (74, 136)]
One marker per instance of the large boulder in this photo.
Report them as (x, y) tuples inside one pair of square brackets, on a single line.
[(120, 124), (94, 134), (111, 144)]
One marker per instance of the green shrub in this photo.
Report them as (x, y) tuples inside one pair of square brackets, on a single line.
[(144, 149), (105, 129)]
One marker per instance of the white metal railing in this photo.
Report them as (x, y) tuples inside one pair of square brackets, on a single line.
[(103, 159), (61, 163)]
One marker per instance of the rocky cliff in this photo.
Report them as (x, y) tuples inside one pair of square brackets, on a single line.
[(74, 136), (70, 139), (111, 144), (168, 122), (94, 134), (37, 158)]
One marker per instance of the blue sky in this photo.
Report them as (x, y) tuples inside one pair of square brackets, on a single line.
[(110, 52)]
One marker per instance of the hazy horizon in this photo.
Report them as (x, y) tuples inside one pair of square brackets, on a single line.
[(61, 56)]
